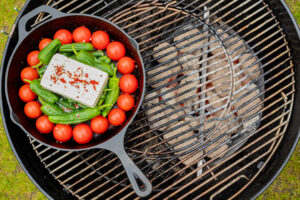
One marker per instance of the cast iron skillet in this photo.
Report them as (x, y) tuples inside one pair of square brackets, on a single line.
[(28, 41)]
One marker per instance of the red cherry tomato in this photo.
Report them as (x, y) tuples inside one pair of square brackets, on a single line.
[(32, 109), (128, 83), (64, 36), (62, 132), (43, 125), (33, 58), (26, 94), (43, 43), (100, 40), (126, 65), (82, 34), (125, 102), (99, 124), (116, 117), (82, 133), (115, 50), (29, 73)]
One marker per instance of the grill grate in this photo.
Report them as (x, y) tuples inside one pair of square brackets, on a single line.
[(233, 33)]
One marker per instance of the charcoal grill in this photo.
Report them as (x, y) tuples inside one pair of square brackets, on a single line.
[(226, 31)]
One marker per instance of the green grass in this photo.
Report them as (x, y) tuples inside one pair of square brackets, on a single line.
[(14, 184)]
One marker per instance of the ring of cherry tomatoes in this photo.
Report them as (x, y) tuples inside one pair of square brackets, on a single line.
[(81, 133)]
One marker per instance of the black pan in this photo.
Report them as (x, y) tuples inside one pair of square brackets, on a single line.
[(113, 140)]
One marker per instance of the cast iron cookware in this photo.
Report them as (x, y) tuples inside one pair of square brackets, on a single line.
[(28, 40)]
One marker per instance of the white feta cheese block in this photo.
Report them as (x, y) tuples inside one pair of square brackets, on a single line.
[(74, 80)]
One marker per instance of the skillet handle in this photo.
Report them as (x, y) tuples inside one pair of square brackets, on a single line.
[(42, 9), (116, 145), (134, 174)]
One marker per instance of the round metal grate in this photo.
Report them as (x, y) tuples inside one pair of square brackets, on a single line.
[(217, 64)]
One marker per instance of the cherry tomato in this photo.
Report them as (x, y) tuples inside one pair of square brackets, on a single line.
[(64, 36), (115, 50), (82, 34), (99, 124), (29, 73), (32, 109), (43, 43), (82, 133), (126, 65), (100, 40), (128, 83), (43, 125), (33, 58), (116, 117), (125, 102), (62, 132), (26, 94)]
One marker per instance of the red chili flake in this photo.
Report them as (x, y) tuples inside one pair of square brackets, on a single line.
[(93, 82), (62, 80), (77, 97), (86, 75), (76, 106), (160, 98), (77, 115), (53, 78), (182, 104), (72, 82)]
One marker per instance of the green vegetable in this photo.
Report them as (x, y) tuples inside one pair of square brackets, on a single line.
[(67, 54), (87, 58), (84, 57), (112, 96), (98, 53), (65, 103), (77, 46), (42, 70), (103, 59), (104, 67), (76, 117), (51, 109), (81, 105), (103, 96), (48, 52), (46, 95), (112, 65)]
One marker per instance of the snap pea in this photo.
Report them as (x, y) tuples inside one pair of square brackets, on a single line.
[(98, 53), (77, 46), (76, 117), (47, 53), (112, 96), (46, 95)]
